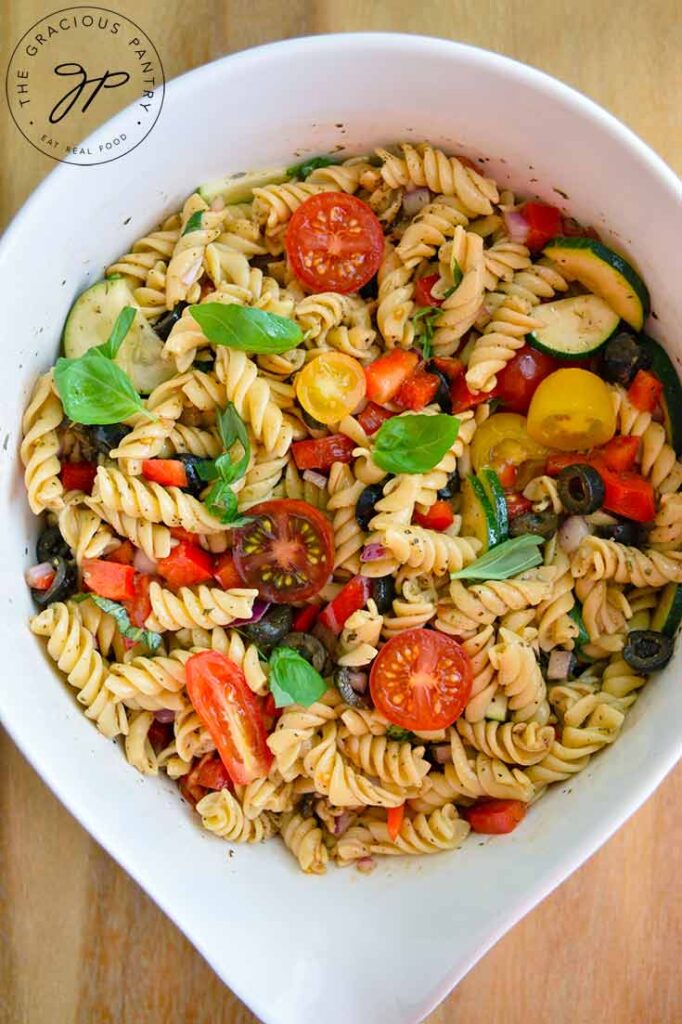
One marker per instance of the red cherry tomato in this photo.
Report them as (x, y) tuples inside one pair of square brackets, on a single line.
[(109, 579), (232, 714), (334, 242), (78, 476), (517, 382), (544, 223), (394, 820), (462, 398), (422, 291), (387, 373), (517, 505), (305, 619), (287, 551), (439, 517), (645, 391), (211, 773), (372, 416), (418, 390), (187, 565), (139, 607), (225, 571), (323, 452), (351, 598), (167, 472), (124, 553), (495, 817), (421, 680)]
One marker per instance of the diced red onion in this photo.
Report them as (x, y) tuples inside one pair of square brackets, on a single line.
[(573, 531), (517, 226), (442, 753), (38, 575), (373, 552), (143, 563), (164, 715), (415, 200), (366, 865), (342, 823), (559, 665), (257, 613), (359, 681), (317, 479)]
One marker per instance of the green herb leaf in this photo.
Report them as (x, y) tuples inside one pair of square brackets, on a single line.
[(425, 321), (195, 222), (94, 390), (126, 629), (246, 329), (118, 333), (232, 429), (302, 170), (293, 680), (576, 614), (414, 444), (504, 560), (396, 732)]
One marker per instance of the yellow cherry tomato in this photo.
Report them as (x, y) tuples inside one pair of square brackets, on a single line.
[(503, 440), (331, 386), (572, 410)]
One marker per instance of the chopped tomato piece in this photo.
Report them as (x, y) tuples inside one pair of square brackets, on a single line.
[(139, 607), (124, 553), (507, 474), (495, 817), (41, 576), (226, 572), (351, 598), (645, 391), (418, 390), (334, 242), (422, 291), (167, 472), (627, 494), (450, 367), (386, 374), (544, 223), (421, 679), (517, 505), (619, 454), (109, 579), (190, 790), (178, 533), (270, 711), (372, 416), (187, 565), (463, 398), (305, 618), (518, 380), (78, 476), (211, 773), (559, 460), (439, 517), (394, 820), (232, 714), (323, 452)]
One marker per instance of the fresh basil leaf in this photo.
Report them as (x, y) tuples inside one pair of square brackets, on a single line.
[(95, 391), (583, 636), (221, 502), (293, 680), (504, 560), (246, 329), (126, 628), (425, 321), (232, 429), (396, 732), (195, 222), (302, 170), (414, 444), (118, 332)]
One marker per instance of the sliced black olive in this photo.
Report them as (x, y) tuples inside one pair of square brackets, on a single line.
[(581, 489), (625, 531), (370, 290), (205, 365), (195, 484), (343, 681), (165, 324), (543, 523), (306, 805), (383, 592), (622, 358), (108, 436), (64, 584), (443, 394), (364, 509), (51, 545), (308, 646), (647, 650), (451, 487), (271, 629)]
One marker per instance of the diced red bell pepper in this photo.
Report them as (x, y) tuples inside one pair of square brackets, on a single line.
[(226, 572), (544, 224), (627, 494), (323, 452), (109, 579), (305, 618), (559, 460), (507, 475), (178, 533), (78, 476), (139, 607), (422, 291), (187, 565), (449, 366), (386, 374), (372, 416), (417, 391), (124, 554), (463, 398), (495, 817), (350, 599), (517, 505), (167, 472), (439, 517), (645, 391), (394, 820), (619, 454)]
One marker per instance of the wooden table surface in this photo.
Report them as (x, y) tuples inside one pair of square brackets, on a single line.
[(80, 942)]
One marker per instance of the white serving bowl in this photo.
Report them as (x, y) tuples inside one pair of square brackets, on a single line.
[(343, 948)]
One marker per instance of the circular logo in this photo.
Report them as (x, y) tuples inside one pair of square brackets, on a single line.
[(75, 69)]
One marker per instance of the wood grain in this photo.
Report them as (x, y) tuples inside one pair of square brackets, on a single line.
[(81, 943)]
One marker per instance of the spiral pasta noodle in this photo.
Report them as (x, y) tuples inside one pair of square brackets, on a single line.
[(252, 399), (39, 449), (499, 342), (142, 499), (425, 166), (222, 814), (523, 743), (598, 559), (197, 606), (459, 310)]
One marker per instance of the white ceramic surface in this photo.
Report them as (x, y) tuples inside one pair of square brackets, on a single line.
[(343, 948)]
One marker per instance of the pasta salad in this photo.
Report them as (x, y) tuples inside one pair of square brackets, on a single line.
[(360, 500)]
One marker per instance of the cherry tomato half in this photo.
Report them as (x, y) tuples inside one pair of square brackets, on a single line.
[(571, 410), (330, 386), (495, 817), (421, 680), (287, 551), (334, 242), (517, 382)]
